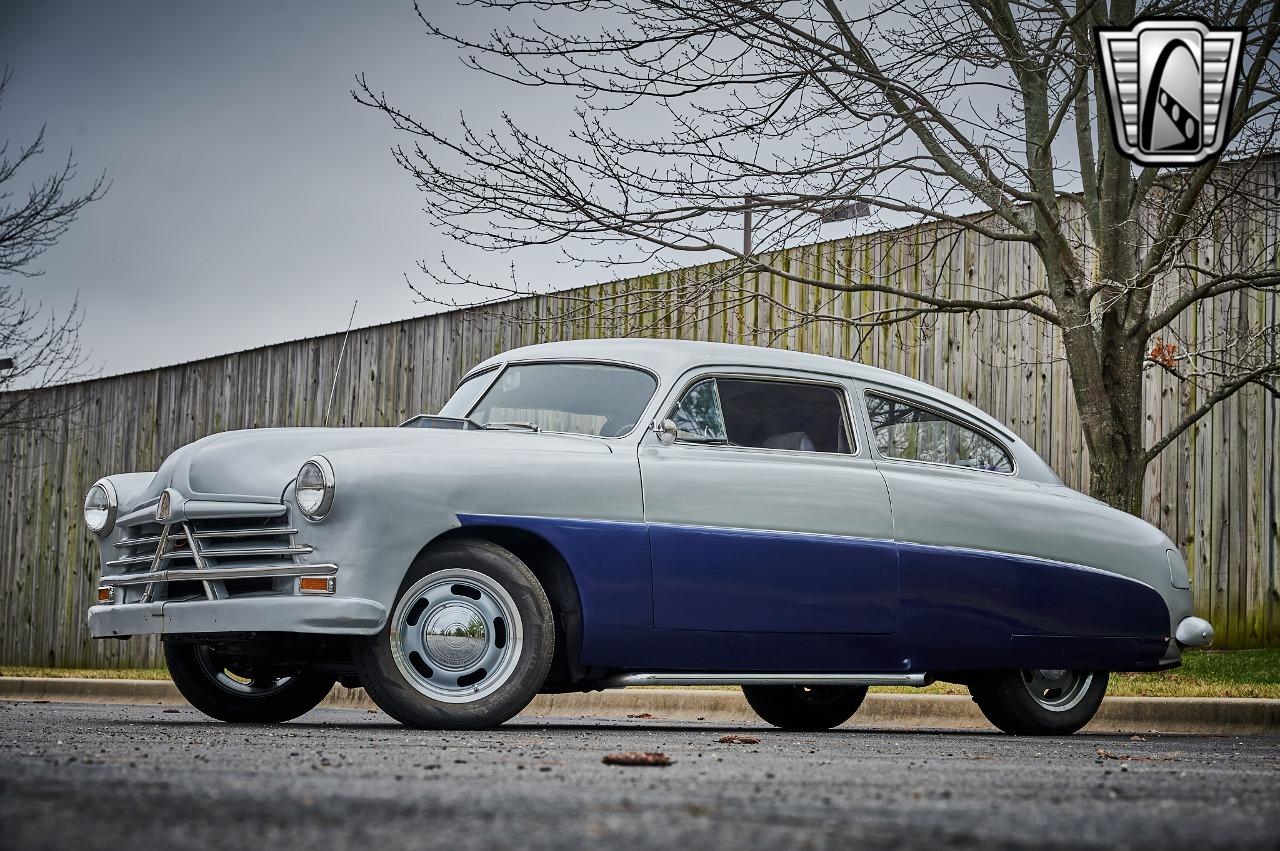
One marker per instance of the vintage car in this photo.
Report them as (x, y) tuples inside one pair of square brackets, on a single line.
[(597, 514)]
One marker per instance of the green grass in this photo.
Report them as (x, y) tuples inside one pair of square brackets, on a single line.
[(1211, 673), (89, 673)]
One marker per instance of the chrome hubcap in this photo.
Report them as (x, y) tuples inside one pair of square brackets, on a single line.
[(456, 635), (1057, 690), (235, 681)]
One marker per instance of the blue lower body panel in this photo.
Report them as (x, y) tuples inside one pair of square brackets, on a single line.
[(760, 599), (962, 609), (740, 580)]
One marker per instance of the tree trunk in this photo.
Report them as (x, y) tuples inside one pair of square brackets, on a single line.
[(1115, 473), (1107, 385)]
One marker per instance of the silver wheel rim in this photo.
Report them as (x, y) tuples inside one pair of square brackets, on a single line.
[(1057, 690), (236, 682), (456, 635)]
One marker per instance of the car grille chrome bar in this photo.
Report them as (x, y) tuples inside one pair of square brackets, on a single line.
[(686, 678), (225, 552), (149, 540), (216, 574)]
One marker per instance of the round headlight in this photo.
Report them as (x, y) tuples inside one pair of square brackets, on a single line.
[(314, 488), (100, 508)]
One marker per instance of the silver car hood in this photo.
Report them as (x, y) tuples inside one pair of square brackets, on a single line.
[(258, 464)]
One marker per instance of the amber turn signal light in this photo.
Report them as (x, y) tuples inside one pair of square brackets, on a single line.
[(316, 584), (106, 594)]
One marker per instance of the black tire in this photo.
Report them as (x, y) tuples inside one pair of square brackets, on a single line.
[(1008, 699), (805, 707), (202, 677), (406, 697)]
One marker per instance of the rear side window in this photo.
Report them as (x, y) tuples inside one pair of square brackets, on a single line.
[(763, 414), (915, 433)]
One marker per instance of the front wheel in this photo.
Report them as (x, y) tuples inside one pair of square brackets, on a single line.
[(468, 644), (805, 707), (1039, 702), (228, 689)]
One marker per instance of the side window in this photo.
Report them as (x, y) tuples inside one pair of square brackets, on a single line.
[(764, 414), (914, 433), (698, 417)]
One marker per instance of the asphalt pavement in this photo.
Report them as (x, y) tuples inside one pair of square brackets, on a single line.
[(129, 778)]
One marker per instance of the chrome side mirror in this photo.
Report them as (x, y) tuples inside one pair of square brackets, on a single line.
[(665, 430)]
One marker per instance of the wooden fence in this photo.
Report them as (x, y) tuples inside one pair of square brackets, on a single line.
[(1214, 491)]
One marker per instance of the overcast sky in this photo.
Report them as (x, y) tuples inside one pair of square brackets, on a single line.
[(252, 199)]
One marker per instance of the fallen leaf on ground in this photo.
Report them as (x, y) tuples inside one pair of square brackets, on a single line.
[(641, 715), (1136, 739), (1106, 754), (636, 758), (734, 739)]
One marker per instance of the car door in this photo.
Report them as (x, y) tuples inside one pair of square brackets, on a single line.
[(965, 524), (768, 519)]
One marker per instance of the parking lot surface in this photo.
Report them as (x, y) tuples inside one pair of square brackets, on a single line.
[(91, 776)]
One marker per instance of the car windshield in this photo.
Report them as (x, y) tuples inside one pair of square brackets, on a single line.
[(604, 400)]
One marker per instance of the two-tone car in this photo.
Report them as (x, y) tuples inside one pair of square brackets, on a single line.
[(597, 514)]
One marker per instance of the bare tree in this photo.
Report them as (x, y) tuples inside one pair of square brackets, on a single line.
[(37, 349), (981, 117), (45, 352)]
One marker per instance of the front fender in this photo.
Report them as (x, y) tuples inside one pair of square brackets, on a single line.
[(390, 504)]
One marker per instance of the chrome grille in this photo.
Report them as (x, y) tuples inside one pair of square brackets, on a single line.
[(223, 546)]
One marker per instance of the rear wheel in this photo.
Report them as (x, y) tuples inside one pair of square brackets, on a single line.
[(805, 707), (1040, 702), (229, 689), (468, 644)]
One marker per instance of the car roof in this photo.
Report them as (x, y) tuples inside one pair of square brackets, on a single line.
[(672, 358)]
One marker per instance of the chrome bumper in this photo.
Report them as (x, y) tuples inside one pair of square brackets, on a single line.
[(267, 613), (1194, 632)]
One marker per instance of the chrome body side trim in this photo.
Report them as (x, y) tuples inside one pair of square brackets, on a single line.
[(686, 678), (220, 573)]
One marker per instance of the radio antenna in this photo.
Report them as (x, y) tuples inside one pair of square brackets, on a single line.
[(337, 370)]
